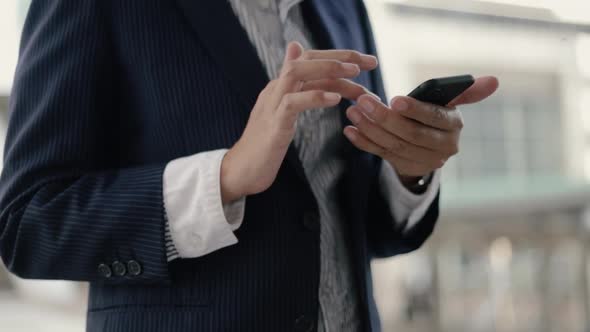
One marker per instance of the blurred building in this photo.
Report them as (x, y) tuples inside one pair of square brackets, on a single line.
[(510, 252)]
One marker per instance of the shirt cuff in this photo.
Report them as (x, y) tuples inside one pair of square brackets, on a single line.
[(404, 204), (198, 222)]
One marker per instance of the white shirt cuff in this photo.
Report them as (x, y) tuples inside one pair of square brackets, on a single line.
[(404, 204), (198, 222)]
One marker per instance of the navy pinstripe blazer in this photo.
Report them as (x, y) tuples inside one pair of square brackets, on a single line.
[(106, 93)]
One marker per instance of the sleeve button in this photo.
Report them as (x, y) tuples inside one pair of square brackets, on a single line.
[(105, 271), (119, 269), (134, 268)]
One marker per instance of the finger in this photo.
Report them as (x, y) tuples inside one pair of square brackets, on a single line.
[(294, 103), (362, 142), (309, 70), (408, 129), (364, 61), (407, 167), (480, 90), (294, 73), (294, 51), (393, 143), (429, 114), (347, 88)]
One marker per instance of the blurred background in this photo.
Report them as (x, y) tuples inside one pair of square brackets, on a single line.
[(512, 249)]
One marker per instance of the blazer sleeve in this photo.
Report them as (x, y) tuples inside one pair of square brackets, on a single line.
[(388, 238), (64, 212)]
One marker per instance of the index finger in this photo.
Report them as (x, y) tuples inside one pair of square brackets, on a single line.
[(409, 108), (364, 61), (429, 114), (294, 73), (408, 129)]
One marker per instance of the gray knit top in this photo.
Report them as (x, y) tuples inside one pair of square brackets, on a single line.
[(270, 25)]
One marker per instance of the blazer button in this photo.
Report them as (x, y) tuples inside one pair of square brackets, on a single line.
[(311, 220), (105, 271), (119, 269), (304, 324), (134, 268)]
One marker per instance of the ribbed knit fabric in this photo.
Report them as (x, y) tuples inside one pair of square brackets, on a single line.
[(271, 25), (106, 93)]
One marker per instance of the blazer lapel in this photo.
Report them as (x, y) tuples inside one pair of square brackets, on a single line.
[(221, 33), (329, 20), (320, 20), (336, 24)]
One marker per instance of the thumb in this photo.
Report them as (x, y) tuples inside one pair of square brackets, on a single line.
[(294, 51), (480, 90)]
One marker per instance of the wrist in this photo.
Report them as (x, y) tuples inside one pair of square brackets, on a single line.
[(413, 183), (417, 185), (230, 181)]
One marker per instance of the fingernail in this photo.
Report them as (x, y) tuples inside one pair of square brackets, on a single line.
[(351, 68), (332, 97), (366, 105), (354, 116), (400, 105), (369, 60)]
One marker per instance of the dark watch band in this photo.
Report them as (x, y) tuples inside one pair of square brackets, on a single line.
[(421, 185)]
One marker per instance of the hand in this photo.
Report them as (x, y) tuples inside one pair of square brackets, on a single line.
[(416, 138), (308, 80)]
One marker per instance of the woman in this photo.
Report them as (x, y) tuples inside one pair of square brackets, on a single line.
[(202, 178)]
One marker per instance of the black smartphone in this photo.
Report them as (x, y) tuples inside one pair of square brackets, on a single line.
[(441, 91)]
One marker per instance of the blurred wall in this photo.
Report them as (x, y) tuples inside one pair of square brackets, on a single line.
[(509, 253), (27, 305), (10, 25)]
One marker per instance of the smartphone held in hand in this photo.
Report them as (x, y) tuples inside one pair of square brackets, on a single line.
[(441, 91)]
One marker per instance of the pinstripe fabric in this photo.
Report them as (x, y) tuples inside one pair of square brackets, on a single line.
[(105, 94), (60, 200), (318, 138)]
